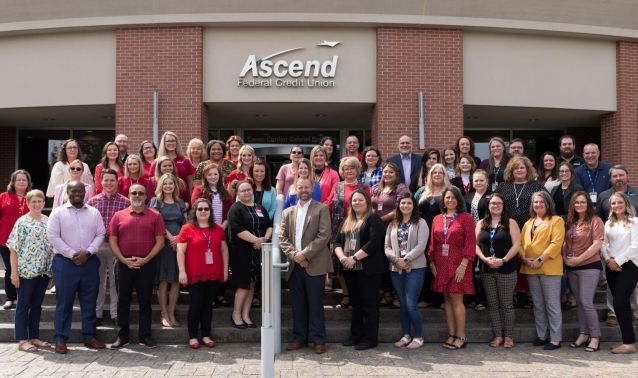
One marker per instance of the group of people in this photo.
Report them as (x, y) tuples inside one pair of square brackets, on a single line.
[(409, 232)]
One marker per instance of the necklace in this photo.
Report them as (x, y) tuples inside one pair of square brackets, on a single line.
[(518, 195)]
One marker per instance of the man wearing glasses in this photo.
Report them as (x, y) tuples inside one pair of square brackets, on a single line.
[(136, 235)]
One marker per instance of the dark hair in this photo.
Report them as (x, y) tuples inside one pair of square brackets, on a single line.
[(105, 160), (516, 140), (296, 146), (572, 215), (460, 201), (207, 190), (566, 136), (364, 165), (382, 185), (335, 152), (267, 183), (11, 187), (505, 215), (398, 215), (62, 156), (109, 171), (424, 159), (142, 150), (210, 145), (541, 167), (351, 223), (192, 217), (570, 166), (457, 146)]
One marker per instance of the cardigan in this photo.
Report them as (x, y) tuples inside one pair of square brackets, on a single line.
[(418, 235), (372, 232)]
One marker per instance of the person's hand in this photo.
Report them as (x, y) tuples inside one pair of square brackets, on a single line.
[(225, 275), (257, 244), (15, 279), (347, 262), (493, 262), (299, 258), (401, 264), (613, 265), (535, 264), (433, 269), (304, 264), (183, 278), (130, 262), (571, 261), (460, 272), (80, 258)]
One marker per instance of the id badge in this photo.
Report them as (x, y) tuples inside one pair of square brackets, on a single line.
[(353, 244), (593, 196), (492, 251), (379, 206), (259, 212), (209, 257), (494, 186), (445, 250)]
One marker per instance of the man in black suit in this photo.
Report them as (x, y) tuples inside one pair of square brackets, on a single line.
[(407, 162)]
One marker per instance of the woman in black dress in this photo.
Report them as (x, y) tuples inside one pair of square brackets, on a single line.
[(249, 226)]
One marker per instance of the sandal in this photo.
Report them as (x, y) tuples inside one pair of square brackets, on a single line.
[(479, 307), (581, 344), (461, 346), (404, 341), (447, 343), (496, 342), (26, 346), (590, 348), (416, 343), (40, 344), (508, 343), (344, 304)]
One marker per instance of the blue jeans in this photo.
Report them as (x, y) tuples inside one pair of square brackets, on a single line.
[(408, 286), (27, 318)]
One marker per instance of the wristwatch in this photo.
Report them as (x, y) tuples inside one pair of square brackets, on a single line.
[(355, 258), (540, 259)]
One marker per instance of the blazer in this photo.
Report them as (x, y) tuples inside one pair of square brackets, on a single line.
[(458, 182), (482, 205), (414, 167), (548, 239), (417, 240), (567, 196), (315, 241), (372, 233)]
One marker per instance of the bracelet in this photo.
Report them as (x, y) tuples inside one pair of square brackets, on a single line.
[(540, 260), (354, 258)]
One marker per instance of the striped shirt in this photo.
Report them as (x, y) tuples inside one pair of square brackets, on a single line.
[(107, 206)]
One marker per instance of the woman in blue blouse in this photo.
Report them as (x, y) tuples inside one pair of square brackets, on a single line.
[(304, 170), (371, 167)]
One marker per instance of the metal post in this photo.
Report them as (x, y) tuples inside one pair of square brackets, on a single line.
[(267, 331), (276, 276), (421, 121), (156, 118)]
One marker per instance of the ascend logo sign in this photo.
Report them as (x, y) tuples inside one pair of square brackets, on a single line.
[(267, 72)]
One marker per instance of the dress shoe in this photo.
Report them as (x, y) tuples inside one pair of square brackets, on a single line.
[(119, 343), (60, 348), (94, 343), (295, 345), (241, 325), (364, 346), (320, 349), (612, 321), (350, 342), (551, 346), (624, 349), (148, 342), (9, 305), (539, 342)]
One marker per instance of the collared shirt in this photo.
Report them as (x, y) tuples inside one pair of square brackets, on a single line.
[(71, 230), (406, 160), (593, 180), (108, 206), (576, 161), (299, 223), (135, 231)]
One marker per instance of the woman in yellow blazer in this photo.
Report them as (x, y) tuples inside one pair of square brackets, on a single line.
[(541, 243)]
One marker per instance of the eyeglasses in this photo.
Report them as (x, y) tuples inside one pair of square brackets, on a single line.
[(137, 193), (496, 203), (78, 169), (561, 171), (296, 152), (203, 209), (71, 148)]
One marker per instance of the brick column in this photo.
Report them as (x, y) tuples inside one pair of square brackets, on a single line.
[(618, 130), (167, 60), (413, 59)]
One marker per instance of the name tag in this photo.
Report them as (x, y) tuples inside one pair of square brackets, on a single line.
[(380, 207), (593, 196), (209, 257), (259, 212), (445, 250), (353, 244)]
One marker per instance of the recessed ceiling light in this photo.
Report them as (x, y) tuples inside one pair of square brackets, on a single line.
[(321, 115), (259, 115), (48, 119)]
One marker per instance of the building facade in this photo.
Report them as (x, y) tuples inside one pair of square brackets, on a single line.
[(284, 72)]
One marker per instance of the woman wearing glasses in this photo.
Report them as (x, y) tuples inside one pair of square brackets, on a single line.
[(69, 151), (76, 171), (562, 193), (288, 172), (498, 240)]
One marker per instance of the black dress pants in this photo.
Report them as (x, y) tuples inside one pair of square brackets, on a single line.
[(141, 280), (363, 289), (200, 307), (306, 294), (622, 284)]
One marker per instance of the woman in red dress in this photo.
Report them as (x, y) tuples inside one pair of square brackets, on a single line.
[(452, 250)]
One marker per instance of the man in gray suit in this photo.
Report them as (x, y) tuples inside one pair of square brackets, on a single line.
[(304, 237)]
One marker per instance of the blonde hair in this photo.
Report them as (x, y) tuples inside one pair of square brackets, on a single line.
[(244, 148), (351, 162), (159, 192), (352, 223), (427, 192), (140, 171), (516, 161), (630, 213), (311, 175), (161, 151), (196, 142), (34, 193), (315, 150)]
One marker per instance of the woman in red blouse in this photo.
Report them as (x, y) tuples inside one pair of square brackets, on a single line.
[(166, 165), (110, 159), (452, 250), (13, 205), (133, 174), (202, 258), (148, 153), (169, 146), (247, 159)]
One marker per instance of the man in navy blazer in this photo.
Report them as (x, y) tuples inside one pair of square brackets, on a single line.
[(407, 162)]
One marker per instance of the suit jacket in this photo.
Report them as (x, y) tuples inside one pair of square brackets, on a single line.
[(315, 240), (414, 167)]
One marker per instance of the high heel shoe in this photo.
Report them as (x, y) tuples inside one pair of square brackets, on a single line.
[(249, 325), (454, 346), (165, 322), (578, 345), (590, 348), (238, 326)]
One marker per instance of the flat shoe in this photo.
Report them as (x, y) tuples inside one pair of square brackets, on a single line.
[(404, 341), (193, 344), (624, 349), (40, 343), (551, 346), (209, 344), (496, 342), (27, 347), (508, 343), (415, 344)]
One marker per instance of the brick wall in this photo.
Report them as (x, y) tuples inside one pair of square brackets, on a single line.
[(413, 59), (8, 162), (618, 130), (167, 60)]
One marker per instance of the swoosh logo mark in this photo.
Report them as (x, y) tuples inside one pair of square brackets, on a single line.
[(280, 53)]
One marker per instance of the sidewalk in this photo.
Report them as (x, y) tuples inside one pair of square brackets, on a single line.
[(237, 360)]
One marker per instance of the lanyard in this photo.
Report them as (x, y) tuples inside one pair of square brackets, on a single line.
[(445, 226), (207, 237), (492, 233), (571, 233), (592, 181)]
